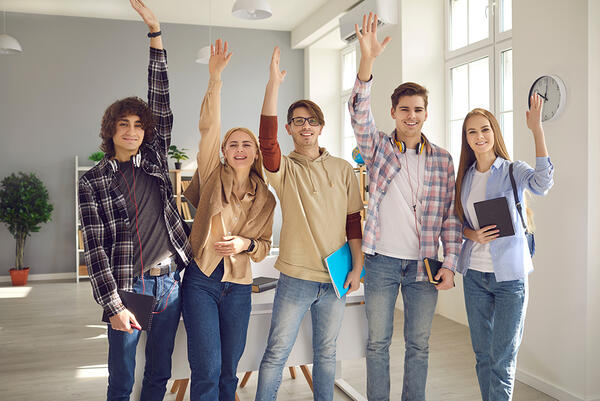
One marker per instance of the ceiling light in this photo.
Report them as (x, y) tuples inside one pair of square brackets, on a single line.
[(8, 44), (251, 9)]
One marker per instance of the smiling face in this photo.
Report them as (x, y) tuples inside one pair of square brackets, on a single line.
[(410, 114), (305, 135), (479, 135), (240, 151), (128, 137)]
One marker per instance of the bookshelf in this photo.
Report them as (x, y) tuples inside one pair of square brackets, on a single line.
[(180, 180), (80, 267)]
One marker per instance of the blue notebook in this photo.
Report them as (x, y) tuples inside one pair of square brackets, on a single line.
[(339, 264)]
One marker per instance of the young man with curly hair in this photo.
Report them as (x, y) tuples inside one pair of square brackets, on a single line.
[(134, 237)]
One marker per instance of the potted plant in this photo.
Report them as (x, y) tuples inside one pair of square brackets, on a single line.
[(24, 206), (178, 155), (96, 156)]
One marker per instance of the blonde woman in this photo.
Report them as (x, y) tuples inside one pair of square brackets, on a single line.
[(495, 268), (233, 223)]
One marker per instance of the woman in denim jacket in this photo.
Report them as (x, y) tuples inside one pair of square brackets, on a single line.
[(495, 269)]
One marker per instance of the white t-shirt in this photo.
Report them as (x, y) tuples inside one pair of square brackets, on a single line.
[(398, 232), (481, 258)]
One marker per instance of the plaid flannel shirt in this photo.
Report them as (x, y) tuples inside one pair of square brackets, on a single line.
[(102, 208), (379, 152)]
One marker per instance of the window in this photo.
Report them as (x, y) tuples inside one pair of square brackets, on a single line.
[(478, 65), (348, 75)]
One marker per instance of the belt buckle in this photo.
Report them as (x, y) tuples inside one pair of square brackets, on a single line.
[(155, 271)]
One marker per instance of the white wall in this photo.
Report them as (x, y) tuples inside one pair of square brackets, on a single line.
[(322, 86), (549, 37), (592, 384)]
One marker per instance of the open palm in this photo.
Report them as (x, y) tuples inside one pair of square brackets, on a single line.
[(219, 58), (146, 14), (370, 47), (276, 75)]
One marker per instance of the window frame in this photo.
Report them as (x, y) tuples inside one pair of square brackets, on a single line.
[(344, 97), (492, 47)]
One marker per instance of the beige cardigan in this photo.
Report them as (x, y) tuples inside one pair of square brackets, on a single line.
[(211, 191)]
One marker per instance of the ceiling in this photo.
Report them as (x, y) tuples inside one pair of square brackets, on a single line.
[(287, 14)]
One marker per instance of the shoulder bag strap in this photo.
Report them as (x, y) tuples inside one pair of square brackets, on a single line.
[(516, 194)]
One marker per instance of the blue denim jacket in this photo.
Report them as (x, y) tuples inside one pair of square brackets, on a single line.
[(510, 255)]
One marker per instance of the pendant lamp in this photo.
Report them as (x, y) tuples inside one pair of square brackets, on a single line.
[(251, 9), (8, 44)]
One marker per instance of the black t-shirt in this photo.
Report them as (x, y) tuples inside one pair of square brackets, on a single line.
[(151, 226)]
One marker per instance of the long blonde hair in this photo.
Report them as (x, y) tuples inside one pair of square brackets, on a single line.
[(257, 166), (467, 158)]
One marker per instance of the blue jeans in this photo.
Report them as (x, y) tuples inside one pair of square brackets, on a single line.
[(293, 298), (159, 344), (384, 276), (496, 314), (216, 316)]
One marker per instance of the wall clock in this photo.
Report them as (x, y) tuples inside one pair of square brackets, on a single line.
[(554, 92)]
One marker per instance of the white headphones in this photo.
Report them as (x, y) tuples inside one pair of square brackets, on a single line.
[(137, 161)]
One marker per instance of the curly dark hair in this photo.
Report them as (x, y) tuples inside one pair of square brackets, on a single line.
[(119, 109)]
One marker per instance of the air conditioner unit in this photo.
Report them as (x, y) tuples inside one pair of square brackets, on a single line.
[(386, 10)]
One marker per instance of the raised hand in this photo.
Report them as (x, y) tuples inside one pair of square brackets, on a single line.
[(534, 114), (276, 76), (219, 58), (370, 47), (146, 14)]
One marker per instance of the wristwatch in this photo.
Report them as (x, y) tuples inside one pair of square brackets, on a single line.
[(251, 246)]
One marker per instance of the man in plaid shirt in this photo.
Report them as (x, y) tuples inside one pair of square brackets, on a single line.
[(411, 208), (134, 237)]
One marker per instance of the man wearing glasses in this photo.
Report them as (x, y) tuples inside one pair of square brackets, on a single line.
[(321, 205)]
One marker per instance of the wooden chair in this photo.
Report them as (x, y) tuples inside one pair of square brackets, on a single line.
[(180, 386)]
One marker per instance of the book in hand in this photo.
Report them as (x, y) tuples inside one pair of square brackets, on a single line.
[(495, 212), (140, 305), (432, 267), (339, 264), (260, 284)]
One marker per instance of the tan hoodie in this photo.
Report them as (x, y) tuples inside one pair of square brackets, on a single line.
[(315, 196)]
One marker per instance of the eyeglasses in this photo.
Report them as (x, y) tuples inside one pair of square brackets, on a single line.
[(299, 121)]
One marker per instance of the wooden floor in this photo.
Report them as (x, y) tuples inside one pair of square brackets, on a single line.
[(53, 347)]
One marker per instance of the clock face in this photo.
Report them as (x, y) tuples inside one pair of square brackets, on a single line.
[(553, 92)]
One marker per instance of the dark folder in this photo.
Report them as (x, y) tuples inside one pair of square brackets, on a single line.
[(432, 267), (495, 212), (140, 305), (260, 284)]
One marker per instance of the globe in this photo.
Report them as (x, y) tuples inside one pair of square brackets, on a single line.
[(356, 156)]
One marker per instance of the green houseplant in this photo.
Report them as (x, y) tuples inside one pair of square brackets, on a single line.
[(96, 156), (178, 155), (24, 206)]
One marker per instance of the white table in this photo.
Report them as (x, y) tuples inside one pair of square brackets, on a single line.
[(351, 343)]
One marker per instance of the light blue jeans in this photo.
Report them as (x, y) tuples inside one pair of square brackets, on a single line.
[(293, 298), (496, 314), (384, 277)]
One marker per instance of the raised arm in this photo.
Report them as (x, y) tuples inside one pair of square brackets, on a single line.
[(158, 82), (534, 123), (359, 103), (540, 179), (210, 112), (370, 48), (267, 133)]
